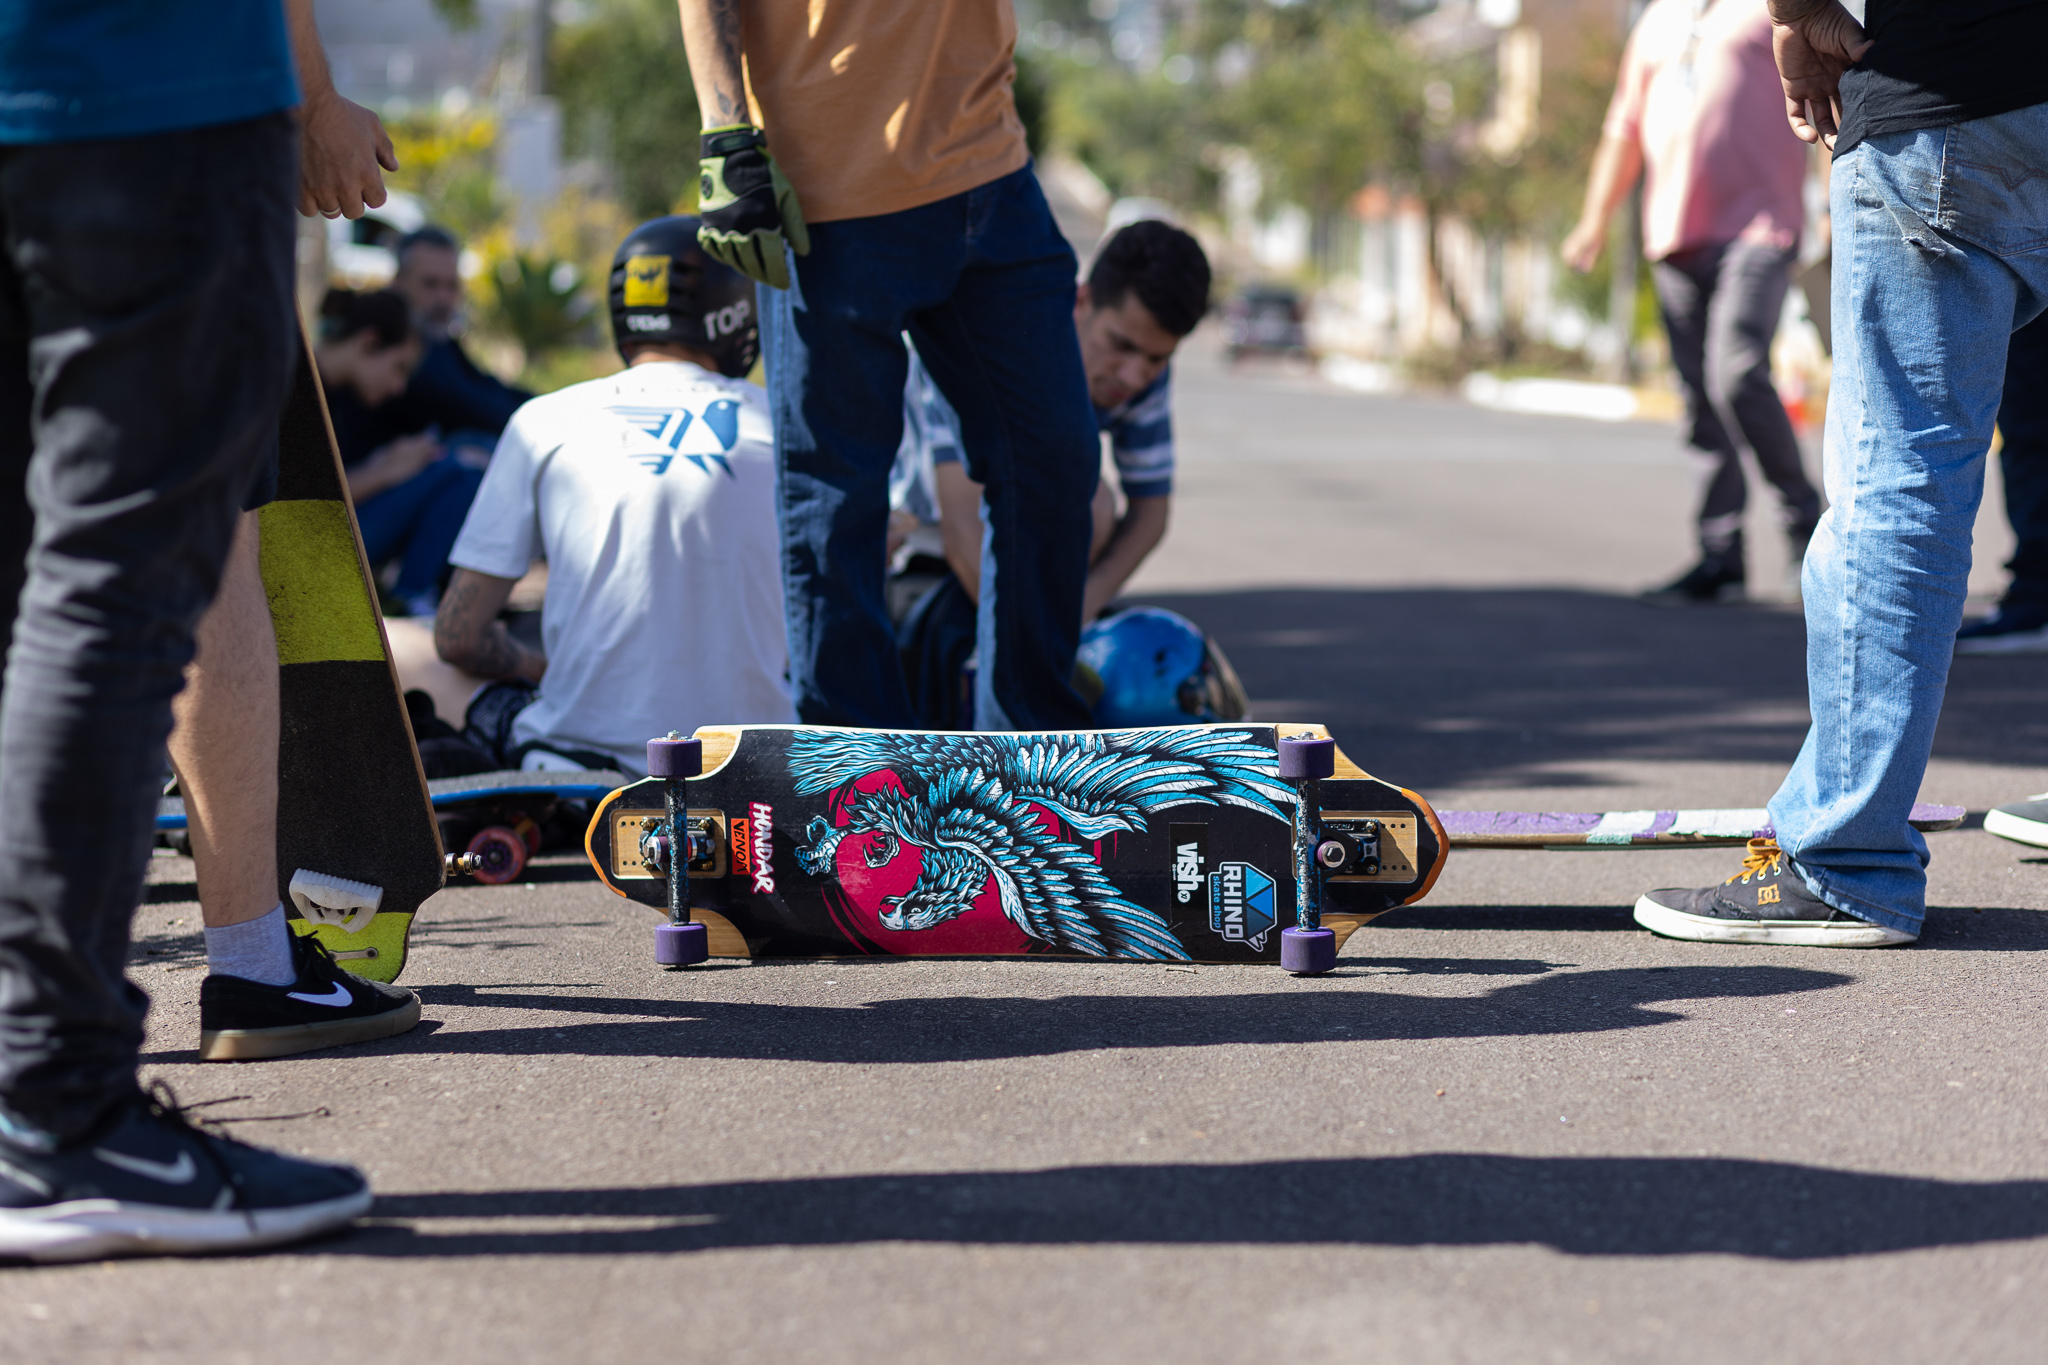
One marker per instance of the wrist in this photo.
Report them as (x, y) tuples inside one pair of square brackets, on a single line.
[(733, 137), (1790, 12)]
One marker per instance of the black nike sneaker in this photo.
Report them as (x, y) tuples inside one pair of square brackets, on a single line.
[(1766, 902), (146, 1181), (242, 1020)]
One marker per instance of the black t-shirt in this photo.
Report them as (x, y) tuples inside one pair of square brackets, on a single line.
[(1937, 62)]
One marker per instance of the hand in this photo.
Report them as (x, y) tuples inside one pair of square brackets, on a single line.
[(1583, 245), (407, 456), (341, 146), (1812, 54), (749, 210)]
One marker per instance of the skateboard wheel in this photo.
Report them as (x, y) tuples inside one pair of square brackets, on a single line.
[(527, 829), (681, 945), (675, 757), (1308, 952), (500, 855), (1307, 758)]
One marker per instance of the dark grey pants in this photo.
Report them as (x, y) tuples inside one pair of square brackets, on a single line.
[(146, 342), (1721, 306)]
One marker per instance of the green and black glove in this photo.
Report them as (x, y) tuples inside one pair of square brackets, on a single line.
[(749, 210)]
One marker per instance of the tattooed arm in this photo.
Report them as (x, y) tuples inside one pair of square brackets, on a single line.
[(711, 35), (468, 633)]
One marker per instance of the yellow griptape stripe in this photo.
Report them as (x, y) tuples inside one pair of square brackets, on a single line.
[(313, 575)]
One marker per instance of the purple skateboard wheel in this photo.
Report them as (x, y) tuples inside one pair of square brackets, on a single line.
[(1307, 758), (681, 945), (1308, 952), (675, 757)]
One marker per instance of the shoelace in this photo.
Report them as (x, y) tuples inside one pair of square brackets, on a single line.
[(1763, 858), (164, 1105)]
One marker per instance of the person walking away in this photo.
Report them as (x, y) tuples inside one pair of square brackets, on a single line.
[(880, 144), (1695, 113), (1939, 122), (2019, 625), (143, 374)]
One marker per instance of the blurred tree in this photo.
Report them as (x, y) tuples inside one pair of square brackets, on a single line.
[(449, 161), (623, 81)]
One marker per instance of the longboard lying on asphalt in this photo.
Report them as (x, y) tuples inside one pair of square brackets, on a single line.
[(358, 849), (499, 817), (1624, 829), (1151, 845)]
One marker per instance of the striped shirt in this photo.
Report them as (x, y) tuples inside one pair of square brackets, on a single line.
[(1140, 436)]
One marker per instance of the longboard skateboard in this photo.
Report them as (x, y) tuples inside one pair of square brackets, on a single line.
[(352, 800), (1152, 845), (499, 818), (1636, 829)]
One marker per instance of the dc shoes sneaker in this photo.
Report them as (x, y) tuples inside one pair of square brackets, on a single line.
[(1766, 902), (242, 1020), (146, 1181)]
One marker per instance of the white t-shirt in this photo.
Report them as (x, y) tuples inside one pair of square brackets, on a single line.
[(652, 496)]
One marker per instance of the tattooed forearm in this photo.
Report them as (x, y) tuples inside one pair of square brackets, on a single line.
[(711, 35)]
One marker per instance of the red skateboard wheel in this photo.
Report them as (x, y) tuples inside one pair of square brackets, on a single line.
[(500, 855)]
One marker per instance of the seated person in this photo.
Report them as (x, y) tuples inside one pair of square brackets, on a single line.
[(651, 495), (1148, 288), (449, 392), (410, 495)]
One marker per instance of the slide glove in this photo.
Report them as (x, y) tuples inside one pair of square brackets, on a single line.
[(747, 206)]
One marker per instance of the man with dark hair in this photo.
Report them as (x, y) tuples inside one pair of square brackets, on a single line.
[(449, 391), (1148, 288)]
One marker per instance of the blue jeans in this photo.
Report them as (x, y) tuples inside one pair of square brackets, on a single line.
[(984, 283), (1941, 253), (146, 342), (421, 517)]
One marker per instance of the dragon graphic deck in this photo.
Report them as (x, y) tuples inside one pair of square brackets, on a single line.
[(1168, 845)]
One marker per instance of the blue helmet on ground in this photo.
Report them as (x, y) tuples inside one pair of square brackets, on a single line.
[(1146, 666)]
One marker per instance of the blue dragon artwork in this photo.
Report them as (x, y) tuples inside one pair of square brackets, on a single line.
[(967, 803)]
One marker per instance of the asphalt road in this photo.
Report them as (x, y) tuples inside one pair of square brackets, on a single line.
[(1512, 1127)]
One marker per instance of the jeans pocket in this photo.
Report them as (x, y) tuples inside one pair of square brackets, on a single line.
[(1996, 190)]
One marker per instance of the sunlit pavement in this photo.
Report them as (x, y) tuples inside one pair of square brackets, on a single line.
[(1512, 1127)]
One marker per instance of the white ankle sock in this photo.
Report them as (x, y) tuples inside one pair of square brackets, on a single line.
[(255, 950)]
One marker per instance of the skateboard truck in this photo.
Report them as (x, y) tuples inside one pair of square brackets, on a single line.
[(1308, 949), (674, 759)]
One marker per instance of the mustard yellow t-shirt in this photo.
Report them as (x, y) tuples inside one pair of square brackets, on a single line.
[(874, 106)]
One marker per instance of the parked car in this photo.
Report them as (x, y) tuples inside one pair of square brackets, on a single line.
[(1265, 319)]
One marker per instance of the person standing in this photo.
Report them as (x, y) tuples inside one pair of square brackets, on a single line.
[(2020, 624), (148, 173), (1695, 113), (880, 144), (1939, 122)]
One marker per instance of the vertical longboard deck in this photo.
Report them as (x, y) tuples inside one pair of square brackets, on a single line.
[(352, 799), (1155, 845)]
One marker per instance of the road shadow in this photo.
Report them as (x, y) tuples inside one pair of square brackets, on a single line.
[(1949, 928), (1442, 688), (1591, 1206), (930, 1029)]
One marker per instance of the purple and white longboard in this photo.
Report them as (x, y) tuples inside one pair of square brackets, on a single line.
[(1618, 829)]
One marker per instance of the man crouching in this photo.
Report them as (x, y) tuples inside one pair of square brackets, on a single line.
[(651, 495)]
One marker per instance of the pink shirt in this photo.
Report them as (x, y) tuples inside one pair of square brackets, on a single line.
[(1720, 163)]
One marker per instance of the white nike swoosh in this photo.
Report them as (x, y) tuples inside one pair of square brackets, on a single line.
[(339, 995), (179, 1172)]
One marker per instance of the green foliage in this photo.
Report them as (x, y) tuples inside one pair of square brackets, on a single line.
[(1141, 134), (459, 15), (623, 80), (449, 162), (536, 299)]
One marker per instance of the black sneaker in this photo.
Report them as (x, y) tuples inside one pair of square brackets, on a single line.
[(2023, 822), (242, 1020), (148, 1182), (1716, 578), (1766, 902), (2014, 628)]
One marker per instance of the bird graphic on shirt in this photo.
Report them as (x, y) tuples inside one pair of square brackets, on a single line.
[(971, 803)]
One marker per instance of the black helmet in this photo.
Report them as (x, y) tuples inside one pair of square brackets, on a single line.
[(665, 288)]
